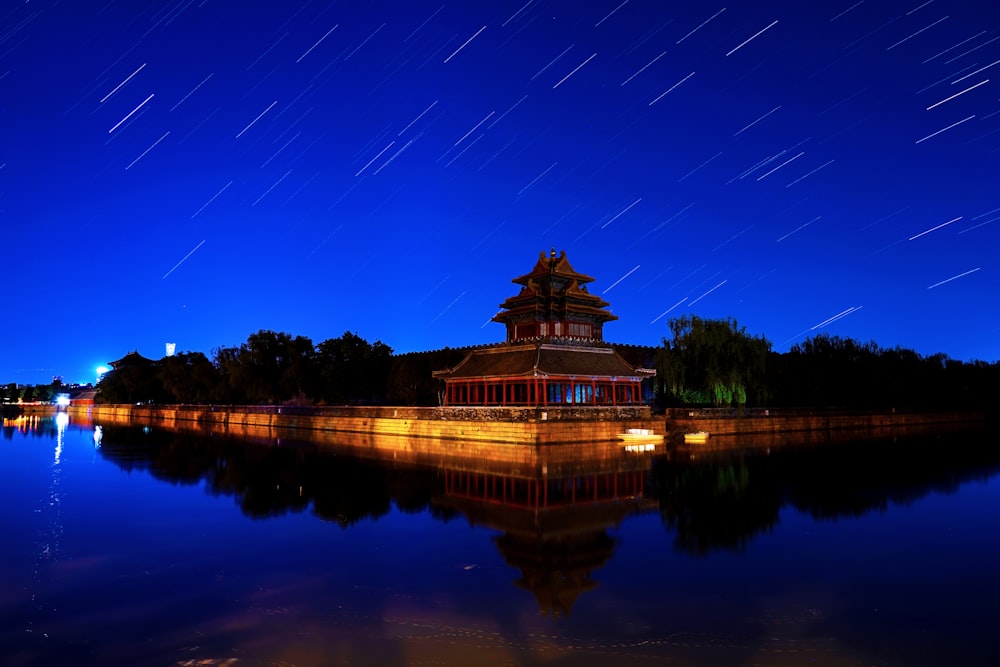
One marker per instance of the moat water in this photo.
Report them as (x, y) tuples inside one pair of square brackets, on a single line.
[(137, 546)]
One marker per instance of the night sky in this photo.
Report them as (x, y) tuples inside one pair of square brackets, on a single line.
[(195, 171)]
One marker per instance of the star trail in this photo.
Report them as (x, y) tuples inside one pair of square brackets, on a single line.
[(387, 167)]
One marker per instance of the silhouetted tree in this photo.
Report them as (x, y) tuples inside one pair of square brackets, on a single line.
[(834, 371), (189, 377), (712, 361), (829, 371), (269, 368), (410, 380), (231, 378), (352, 370)]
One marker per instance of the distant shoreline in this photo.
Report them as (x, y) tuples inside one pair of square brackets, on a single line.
[(764, 428)]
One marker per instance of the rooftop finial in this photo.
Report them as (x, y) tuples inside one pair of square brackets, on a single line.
[(553, 253)]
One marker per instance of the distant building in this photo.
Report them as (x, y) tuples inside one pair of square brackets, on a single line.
[(131, 359), (82, 395), (555, 354)]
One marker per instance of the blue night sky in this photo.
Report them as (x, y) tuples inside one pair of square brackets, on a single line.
[(194, 171)]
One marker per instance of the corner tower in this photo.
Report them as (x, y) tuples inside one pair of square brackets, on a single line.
[(555, 354)]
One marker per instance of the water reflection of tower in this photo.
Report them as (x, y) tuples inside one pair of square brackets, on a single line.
[(555, 527)]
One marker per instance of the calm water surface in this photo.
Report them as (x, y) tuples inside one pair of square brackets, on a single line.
[(132, 546)]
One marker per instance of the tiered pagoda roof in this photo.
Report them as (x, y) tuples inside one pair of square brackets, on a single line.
[(554, 293)]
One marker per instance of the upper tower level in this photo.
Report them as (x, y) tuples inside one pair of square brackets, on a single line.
[(554, 305)]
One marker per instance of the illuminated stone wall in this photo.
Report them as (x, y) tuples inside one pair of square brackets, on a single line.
[(528, 426)]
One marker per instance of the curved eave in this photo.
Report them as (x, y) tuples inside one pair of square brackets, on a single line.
[(547, 267), (544, 361)]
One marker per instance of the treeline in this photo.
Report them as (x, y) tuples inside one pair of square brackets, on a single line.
[(717, 363), (836, 371), (43, 393), (705, 363), (269, 368)]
